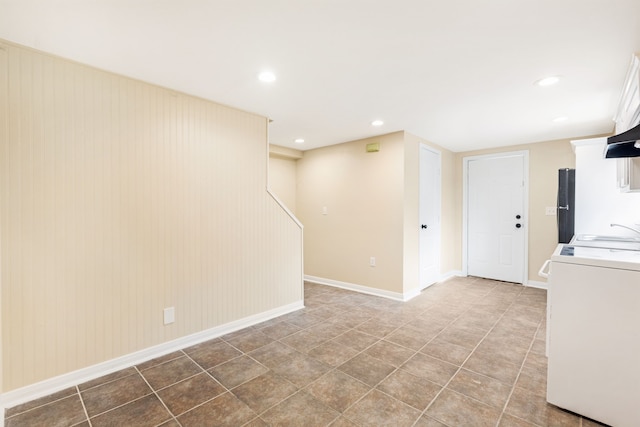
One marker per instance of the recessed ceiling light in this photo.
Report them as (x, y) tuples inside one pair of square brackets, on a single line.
[(377, 123), (299, 141), (548, 81), (561, 119), (267, 77)]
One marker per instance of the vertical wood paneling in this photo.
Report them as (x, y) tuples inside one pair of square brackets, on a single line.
[(4, 234), (118, 199)]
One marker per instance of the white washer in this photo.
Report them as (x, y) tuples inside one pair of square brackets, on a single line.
[(594, 333)]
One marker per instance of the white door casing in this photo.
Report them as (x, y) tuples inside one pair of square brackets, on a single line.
[(496, 223), (430, 206)]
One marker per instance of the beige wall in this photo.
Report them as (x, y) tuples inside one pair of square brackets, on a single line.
[(283, 174), (118, 199), (343, 177), (545, 158), (363, 194), (372, 202), (4, 108), (411, 215)]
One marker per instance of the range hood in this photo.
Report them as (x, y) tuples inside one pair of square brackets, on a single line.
[(625, 144)]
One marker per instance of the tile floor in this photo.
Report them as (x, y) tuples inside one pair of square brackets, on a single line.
[(466, 352)]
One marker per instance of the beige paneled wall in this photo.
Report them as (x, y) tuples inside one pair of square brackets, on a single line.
[(4, 108), (545, 158), (118, 199)]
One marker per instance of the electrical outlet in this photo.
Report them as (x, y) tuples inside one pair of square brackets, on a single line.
[(372, 261), (550, 210), (169, 315)]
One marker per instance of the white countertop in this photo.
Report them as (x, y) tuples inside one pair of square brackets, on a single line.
[(598, 257)]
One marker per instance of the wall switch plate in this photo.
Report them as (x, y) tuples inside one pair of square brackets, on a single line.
[(169, 315), (324, 210), (550, 210), (372, 261)]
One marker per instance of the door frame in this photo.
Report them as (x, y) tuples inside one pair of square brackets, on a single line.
[(465, 207), (438, 197)]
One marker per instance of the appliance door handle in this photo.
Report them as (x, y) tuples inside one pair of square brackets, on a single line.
[(542, 272)]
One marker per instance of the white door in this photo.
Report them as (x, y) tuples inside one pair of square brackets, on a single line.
[(496, 223), (429, 216)]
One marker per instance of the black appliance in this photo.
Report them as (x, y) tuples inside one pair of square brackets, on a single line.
[(566, 204), (625, 144)]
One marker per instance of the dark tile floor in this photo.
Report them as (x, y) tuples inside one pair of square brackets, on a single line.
[(466, 352)]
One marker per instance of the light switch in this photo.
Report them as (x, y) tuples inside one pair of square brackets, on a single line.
[(324, 210), (550, 210)]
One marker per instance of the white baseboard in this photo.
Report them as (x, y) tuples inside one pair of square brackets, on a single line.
[(357, 288), (375, 291), (52, 385), (536, 284), (450, 274)]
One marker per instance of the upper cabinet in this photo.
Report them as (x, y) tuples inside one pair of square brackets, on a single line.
[(628, 116)]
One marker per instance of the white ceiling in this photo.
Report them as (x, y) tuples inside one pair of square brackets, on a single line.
[(458, 73)]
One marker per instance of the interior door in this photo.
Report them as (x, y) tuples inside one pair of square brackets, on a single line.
[(496, 223), (429, 216)]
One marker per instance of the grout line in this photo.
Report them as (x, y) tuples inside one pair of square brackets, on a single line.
[(206, 372), (335, 368), (424, 412), (38, 406), (124, 404), (84, 408), (107, 382), (513, 387), (399, 367), (156, 395)]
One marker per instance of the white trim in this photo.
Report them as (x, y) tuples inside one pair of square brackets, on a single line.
[(465, 206), (536, 284), (52, 385), (284, 207), (412, 294), (404, 297), (362, 289), (450, 274), (589, 141)]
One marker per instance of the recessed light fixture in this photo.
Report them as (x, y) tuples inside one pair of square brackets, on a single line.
[(547, 81), (560, 119), (298, 140), (267, 77), (377, 123)]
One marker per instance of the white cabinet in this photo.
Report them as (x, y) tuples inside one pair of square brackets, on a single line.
[(628, 116), (593, 343)]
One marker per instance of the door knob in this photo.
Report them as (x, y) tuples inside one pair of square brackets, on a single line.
[(518, 225), (424, 226)]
